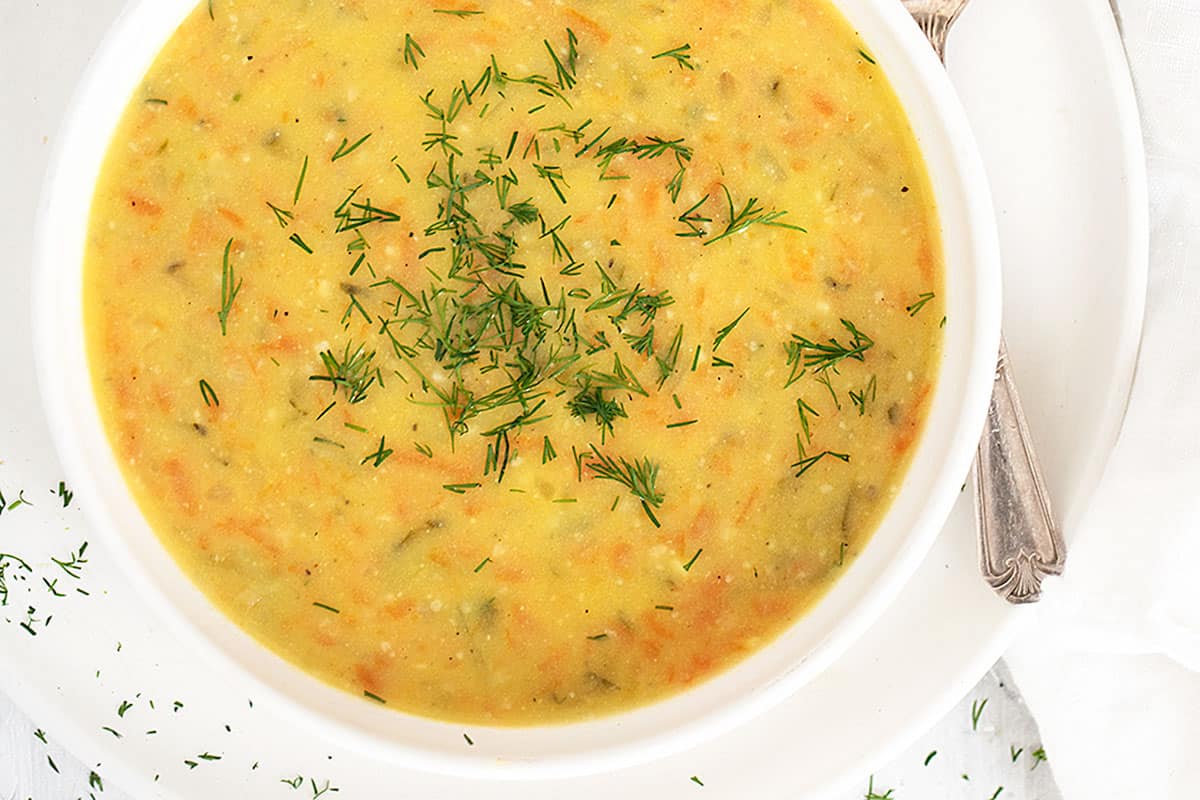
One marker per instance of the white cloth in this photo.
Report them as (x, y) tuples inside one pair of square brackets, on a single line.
[(1111, 670)]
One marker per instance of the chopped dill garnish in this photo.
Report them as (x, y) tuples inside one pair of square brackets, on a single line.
[(681, 54), (483, 564), (873, 795), (921, 301), (207, 393), (299, 242), (380, 455), (682, 424), (688, 566), (867, 395), (74, 563), (803, 353), (826, 381), (977, 712), (282, 216), (694, 220), (412, 51), (229, 288), (592, 402), (805, 410), (375, 697), (728, 329), (354, 372), (639, 477), (805, 464), (345, 148), (548, 452), (456, 12), (866, 56), (751, 214), (460, 488), (300, 181), (565, 72), (328, 608)]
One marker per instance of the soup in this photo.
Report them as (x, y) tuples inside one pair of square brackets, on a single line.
[(518, 362)]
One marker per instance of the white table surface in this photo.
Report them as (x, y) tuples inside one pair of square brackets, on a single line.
[(970, 762), (43, 47)]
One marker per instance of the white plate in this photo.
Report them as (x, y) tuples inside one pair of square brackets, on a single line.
[(1048, 89)]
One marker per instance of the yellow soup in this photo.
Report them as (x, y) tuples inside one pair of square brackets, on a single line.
[(515, 362)]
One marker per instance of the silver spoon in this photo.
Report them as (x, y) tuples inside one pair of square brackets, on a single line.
[(1019, 542)]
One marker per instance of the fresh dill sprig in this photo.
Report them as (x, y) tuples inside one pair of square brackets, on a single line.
[(804, 353), (681, 54), (207, 393), (565, 72), (300, 182), (345, 148), (380, 455), (825, 380), (282, 216), (668, 363), (639, 476), (921, 301), (805, 464), (867, 395), (977, 712), (694, 220), (873, 795), (412, 51), (748, 216), (296, 239), (592, 402), (354, 372), (728, 329), (805, 410), (229, 289)]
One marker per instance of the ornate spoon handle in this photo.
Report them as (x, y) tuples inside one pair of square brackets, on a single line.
[(1019, 543)]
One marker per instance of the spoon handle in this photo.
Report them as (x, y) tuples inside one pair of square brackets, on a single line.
[(1019, 542)]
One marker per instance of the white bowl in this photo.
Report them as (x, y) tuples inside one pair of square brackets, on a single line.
[(942, 458)]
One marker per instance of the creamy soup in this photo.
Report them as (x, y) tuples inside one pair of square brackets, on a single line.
[(521, 361)]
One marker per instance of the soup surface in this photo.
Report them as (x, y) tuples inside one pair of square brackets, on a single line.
[(519, 361)]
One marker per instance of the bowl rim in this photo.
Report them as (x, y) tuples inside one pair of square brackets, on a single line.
[(51, 343)]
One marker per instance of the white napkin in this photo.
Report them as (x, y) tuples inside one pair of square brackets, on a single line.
[(1111, 668)]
